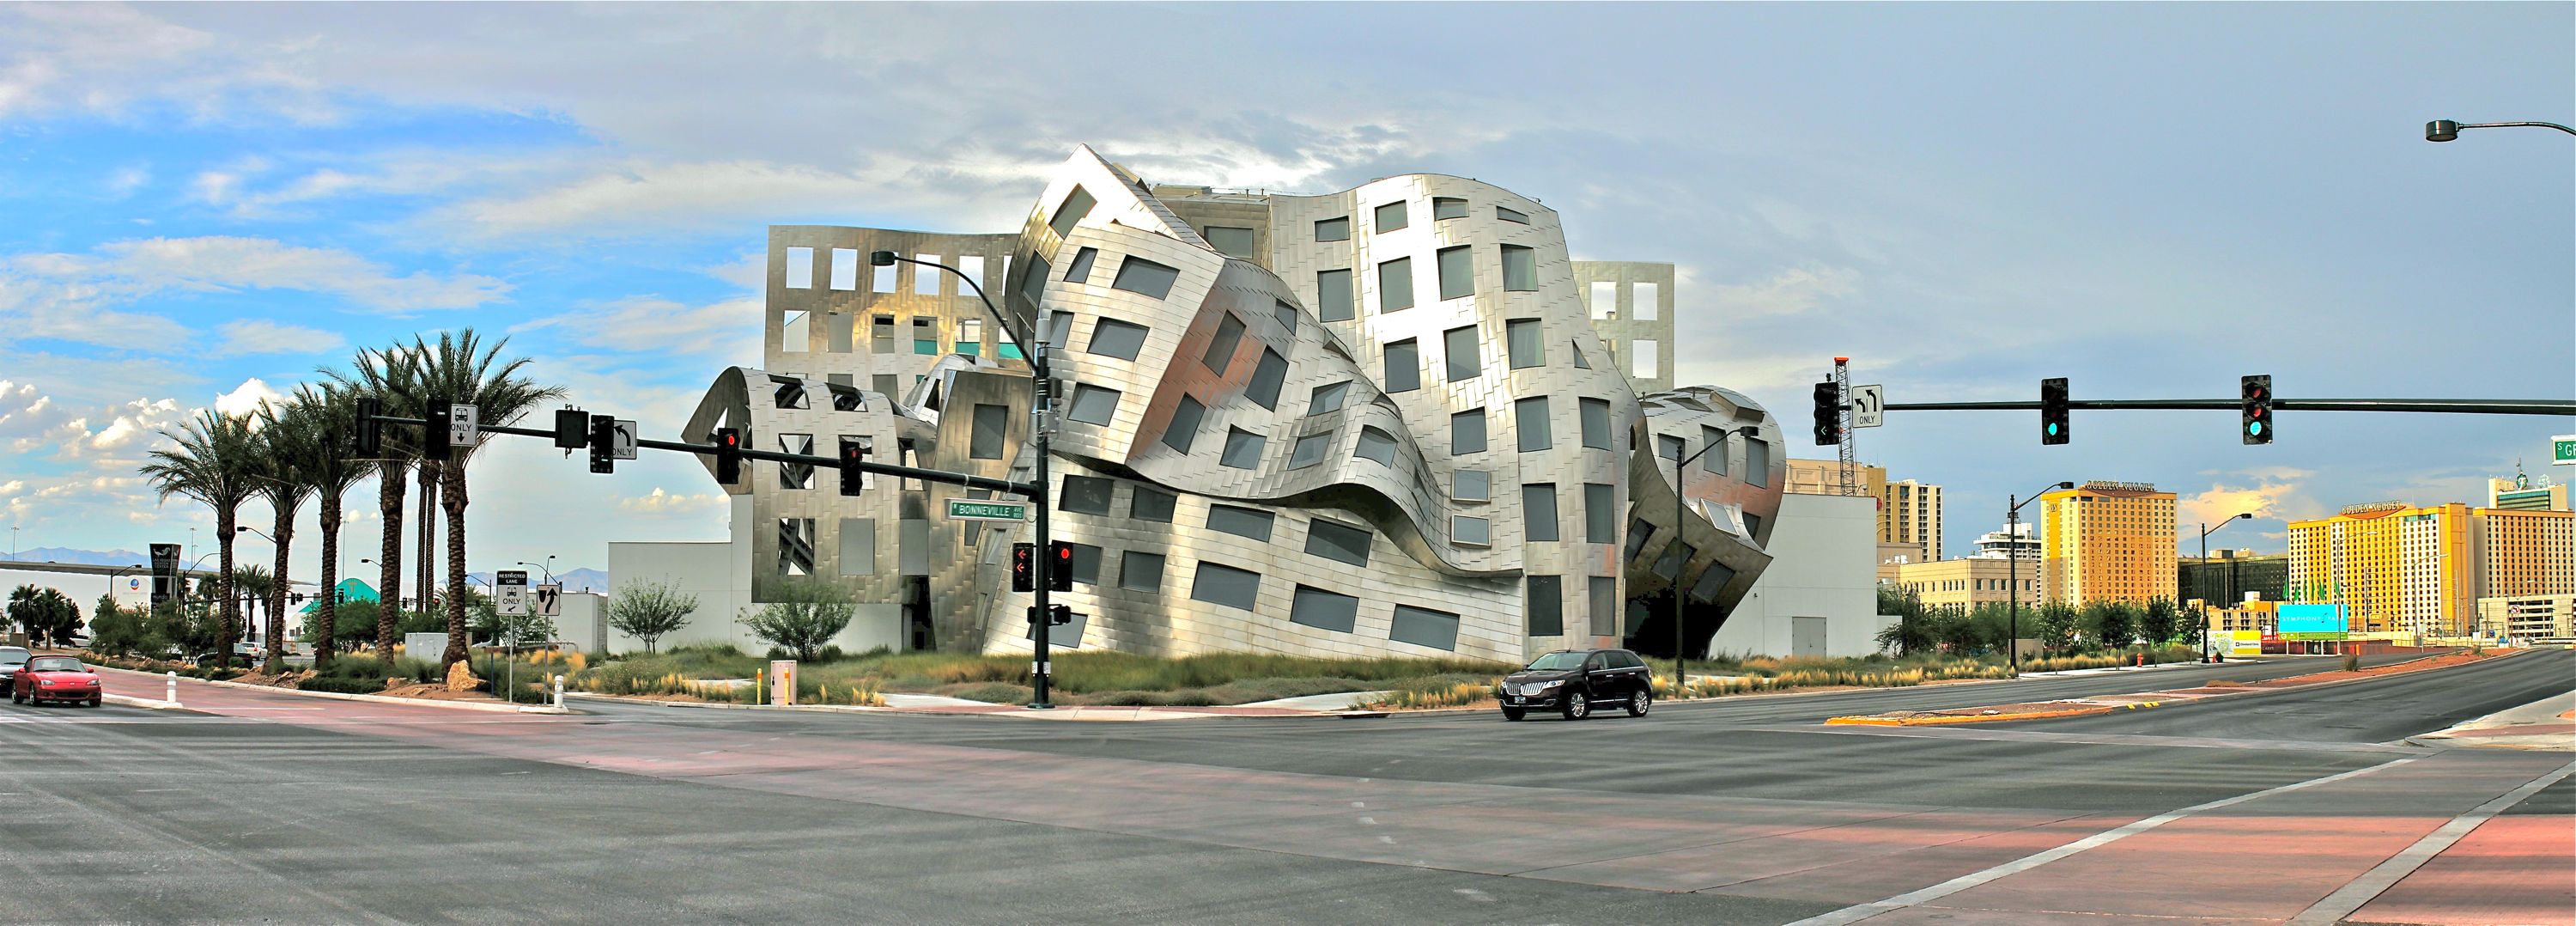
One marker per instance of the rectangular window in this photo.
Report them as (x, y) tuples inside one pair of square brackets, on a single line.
[(1600, 514), (1337, 541), (970, 336), (1145, 277), (1403, 366), (1220, 349), (1184, 428), (1309, 450), (882, 279), (1596, 424), (1080, 270), (1271, 374), (1424, 627), (796, 332), (800, 268), (1526, 340), (881, 334), (1086, 494), (1241, 522), (991, 421), (1474, 532), (925, 335), (1333, 229), (1323, 610), (1605, 606), (1642, 356), (1471, 485), (1334, 298), (1092, 404), (1226, 585), (1639, 532), (1059, 329), (1033, 285), (1376, 445), (971, 267), (1242, 449), (925, 280), (845, 269), (1530, 417), (1113, 338), (1668, 447), (1140, 572), (1538, 511), (1076, 205), (1448, 207), (1752, 526), (1676, 555), (1328, 398), (1710, 581), (796, 475), (796, 546), (1086, 563), (1460, 346), (1467, 432), (1395, 285), (1231, 242), (1152, 505), (1390, 217), (1712, 459), (1457, 272), (1757, 462), (1546, 608), (1605, 300), (858, 546), (1642, 299), (1511, 215), (1285, 313), (1520, 269)]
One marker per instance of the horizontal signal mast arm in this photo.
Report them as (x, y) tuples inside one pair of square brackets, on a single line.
[(2439, 406), (944, 477)]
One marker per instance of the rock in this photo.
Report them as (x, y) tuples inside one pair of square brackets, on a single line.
[(462, 679)]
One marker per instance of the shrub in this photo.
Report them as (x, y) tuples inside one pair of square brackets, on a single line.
[(2351, 662)]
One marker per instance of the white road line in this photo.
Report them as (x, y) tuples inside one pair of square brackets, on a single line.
[(2353, 896), (1859, 912)]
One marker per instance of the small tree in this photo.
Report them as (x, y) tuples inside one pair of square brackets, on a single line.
[(45, 614), (649, 611), (806, 616), (2057, 622), (2112, 624), (1916, 629), (2160, 623), (114, 630)]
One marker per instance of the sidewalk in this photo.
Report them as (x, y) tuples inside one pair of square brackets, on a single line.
[(2549, 723)]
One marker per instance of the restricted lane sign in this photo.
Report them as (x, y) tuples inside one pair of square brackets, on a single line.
[(961, 509), (510, 591), (1868, 406), (462, 425)]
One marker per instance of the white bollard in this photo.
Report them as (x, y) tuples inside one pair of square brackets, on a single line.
[(559, 690), (170, 688)]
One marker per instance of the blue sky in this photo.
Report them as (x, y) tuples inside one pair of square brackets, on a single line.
[(208, 201)]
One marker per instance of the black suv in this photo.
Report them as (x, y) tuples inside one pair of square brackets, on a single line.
[(1572, 681)]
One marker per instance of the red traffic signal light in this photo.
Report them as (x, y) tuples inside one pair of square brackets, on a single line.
[(728, 455), (1024, 567), (853, 479), (1060, 572)]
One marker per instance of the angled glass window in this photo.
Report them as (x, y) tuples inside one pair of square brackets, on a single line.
[(1525, 338), (1335, 301), (1241, 522), (1600, 514), (1546, 609), (1457, 272), (1395, 285), (1092, 404), (1757, 462), (1226, 585), (1448, 207), (1424, 627), (1579, 362), (1231, 242), (1538, 511), (1467, 432), (1285, 313), (1086, 563), (1639, 532), (1476, 532), (1333, 229), (1242, 449), (1520, 269), (1145, 277), (1403, 366), (1459, 347), (1323, 610), (1266, 380), (1113, 338), (1080, 270), (1510, 215), (1711, 580), (991, 422), (1596, 423), (1676, 555), (1140, 572), (1376, 445), (1530, 417), (1152, 505), (1668, 447), (1328, 398), (1471, 485), (1220, 349), (1086, 494), (1752, 526), (1713, 459), (1390, 217), (1031, 286), (1076, 205), (1184, 429), (1337, 541), (1310, 450), (1059, 329)]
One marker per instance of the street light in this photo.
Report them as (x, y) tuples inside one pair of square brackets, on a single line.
[(1681, 670), (1041, 409), (247, 529), (2205, 531), (2012, 573), (549, 567), (2447, 130)]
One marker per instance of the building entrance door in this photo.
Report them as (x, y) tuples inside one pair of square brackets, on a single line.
[(1806, 636)]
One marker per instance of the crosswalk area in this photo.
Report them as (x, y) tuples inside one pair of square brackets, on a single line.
[(30, 714)]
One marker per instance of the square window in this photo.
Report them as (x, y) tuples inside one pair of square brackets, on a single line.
[(858, 546), (1471, 485), (1140, 572), (1395, 285), (1460, 346), (800, 268), (1113, 338), (1600, 514), (1470, 531), (1286, 315), (1184, 427), (1390, 217), (1335, 300), (1328, 398), (1457, 272), (1092, 404), (1241, 522), (1403, 366), (845, 269), (1231, 242), (991, 421), (1424, 627), (1538, 511), (1086, 563), (1520, 269), (1086, 494), (1145, 277), (1526, 340), (1376, 445), (1323, 610), (1076, 205), (1668, 447), (1530, 416), (1643, 301), (1152, 505), (1080, 270), (1309, 450), (1546, 609), (1448, 207), (1508, 214), (1467, 432), (1596, 423), (1226, 585), (1333, 229), (1337, 541), (1266, 379), (1242, 449), (1220, 349)]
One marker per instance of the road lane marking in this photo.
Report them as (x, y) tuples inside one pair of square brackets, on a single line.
[(1858, 912), (2350, 898)]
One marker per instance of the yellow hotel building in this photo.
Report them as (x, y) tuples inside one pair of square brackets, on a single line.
[(2107, 541), (2396, 568)]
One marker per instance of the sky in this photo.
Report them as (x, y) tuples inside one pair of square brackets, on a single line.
[(202, 204)]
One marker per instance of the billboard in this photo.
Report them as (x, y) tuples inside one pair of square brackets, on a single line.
[(2312, 622)]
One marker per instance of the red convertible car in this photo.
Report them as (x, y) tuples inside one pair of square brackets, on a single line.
[(55, 678)]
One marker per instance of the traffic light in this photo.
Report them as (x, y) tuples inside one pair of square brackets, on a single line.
[(433, 429), (572, 428), (369, 440), (603, 444), (1024, 567), (728, 455), (2256, 393), (2052, 411), (853, 453), (1829, 414), (1060, 572)]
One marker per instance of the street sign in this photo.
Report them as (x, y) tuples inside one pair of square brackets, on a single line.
[(510, 591), (461, 421), (1868, 406), (960, 509), (549, 601), (2562, 450), (623, 447)]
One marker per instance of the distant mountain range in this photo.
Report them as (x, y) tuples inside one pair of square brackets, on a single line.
[(82, 557), (575, 580)]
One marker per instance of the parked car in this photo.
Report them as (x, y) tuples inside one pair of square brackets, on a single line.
[(1572, 681), (55, 678), (12, 658)]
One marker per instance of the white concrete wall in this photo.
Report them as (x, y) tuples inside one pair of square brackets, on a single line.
[(1824, 563), (719, 573)]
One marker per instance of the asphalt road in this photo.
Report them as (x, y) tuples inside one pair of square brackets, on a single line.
[(2380, 711)]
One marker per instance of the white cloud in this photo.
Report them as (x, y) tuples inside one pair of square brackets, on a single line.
[(661, 503), (1793, 291), (125, 180), (247, 397), (730, 329), (69, 296), (261, 336)]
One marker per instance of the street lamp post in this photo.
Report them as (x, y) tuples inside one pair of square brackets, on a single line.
[(111, 578), (2012, 573), (548, 567), (1681, 670), (1041, 413), (2447, 130), (2205, 531)]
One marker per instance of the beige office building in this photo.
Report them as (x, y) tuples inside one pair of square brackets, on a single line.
[(1967, 583), (1909, 512), (2107, 541)]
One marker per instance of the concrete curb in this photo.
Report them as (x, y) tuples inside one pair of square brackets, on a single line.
[(379, 699), (153, 704), (1020, 715), (823, 708)]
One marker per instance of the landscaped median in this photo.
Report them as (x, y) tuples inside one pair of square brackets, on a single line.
[(2104, 704)]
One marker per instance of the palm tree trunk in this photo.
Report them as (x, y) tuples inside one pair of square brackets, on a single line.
[(326, 615), (227, 611), (389, 504), (428, 535), (452, 498), (285, 533)]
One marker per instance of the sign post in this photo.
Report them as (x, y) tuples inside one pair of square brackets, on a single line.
[(510, 592)]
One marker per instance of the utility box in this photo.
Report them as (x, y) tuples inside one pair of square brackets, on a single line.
[(782, 681), (426, 647)]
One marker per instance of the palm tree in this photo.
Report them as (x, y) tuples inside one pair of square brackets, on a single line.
[(459, 368), (327, 471), (390, 376), (209, 463), (252, 583), (290, 437)]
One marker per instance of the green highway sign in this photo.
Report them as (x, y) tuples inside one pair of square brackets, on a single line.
[(2562, 450), (960, 509)]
